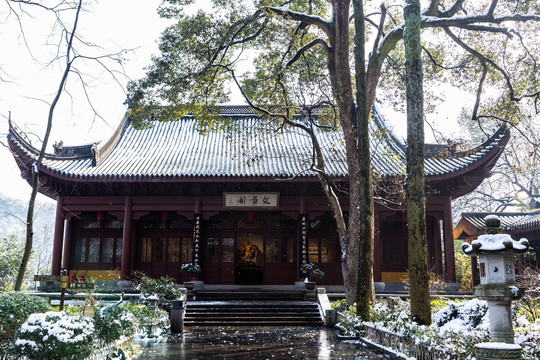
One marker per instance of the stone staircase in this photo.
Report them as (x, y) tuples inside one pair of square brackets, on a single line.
[(251, 309)]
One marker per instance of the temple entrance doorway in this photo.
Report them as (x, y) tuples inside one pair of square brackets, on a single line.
[(255, 249), (250, 260)]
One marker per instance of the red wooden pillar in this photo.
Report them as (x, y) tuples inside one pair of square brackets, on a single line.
[(67, 244), (437, 244), (377, 269), (449, 260), (125, 266), (58, 236)]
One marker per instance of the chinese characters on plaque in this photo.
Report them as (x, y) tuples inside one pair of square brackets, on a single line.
[(303, 241), (196, 239), (251, 200)]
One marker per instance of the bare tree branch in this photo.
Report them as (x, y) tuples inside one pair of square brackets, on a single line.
[(306, 48)]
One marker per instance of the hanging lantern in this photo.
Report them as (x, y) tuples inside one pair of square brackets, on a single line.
[(250, 217), (100, 216), (164, 216)]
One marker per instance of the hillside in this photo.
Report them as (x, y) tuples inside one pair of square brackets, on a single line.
[(13, 217), (12, 222)]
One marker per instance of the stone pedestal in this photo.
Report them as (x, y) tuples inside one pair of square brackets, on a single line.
[(500, 321), (497, 351), (499, 298)]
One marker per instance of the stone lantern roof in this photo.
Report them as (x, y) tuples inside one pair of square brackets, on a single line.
[(493, 242)]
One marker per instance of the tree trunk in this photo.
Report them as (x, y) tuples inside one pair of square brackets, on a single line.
[(365, 291), (415, 196), (356, 260), (37, 163)]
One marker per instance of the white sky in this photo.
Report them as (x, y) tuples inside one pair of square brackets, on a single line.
[(114, 25)]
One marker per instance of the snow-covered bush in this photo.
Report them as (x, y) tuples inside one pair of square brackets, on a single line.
[(393, 314), (461, 315), (117, 354), (15, 307), (54, 335), (146, 316), (164, 288), (456, 328), (114, 321), (527, 335)]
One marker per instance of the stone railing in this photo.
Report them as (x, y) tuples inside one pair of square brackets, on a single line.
[(399, 344), (103, 352), (396, 345)]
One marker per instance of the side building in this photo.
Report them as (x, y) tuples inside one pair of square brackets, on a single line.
[(242, 203)]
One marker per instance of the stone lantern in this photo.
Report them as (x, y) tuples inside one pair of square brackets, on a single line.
[(496, 252)]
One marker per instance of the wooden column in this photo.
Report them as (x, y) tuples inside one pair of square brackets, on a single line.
[(125, 267), (377, 269), (58, 236), (437, 245), (67, 244), (449, 260)]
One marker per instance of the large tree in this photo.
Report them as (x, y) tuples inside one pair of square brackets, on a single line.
[(291, 58), (302, 62), (70, 48), (69, 57), (415, 184)]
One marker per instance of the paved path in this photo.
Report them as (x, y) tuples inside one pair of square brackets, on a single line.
[(257, 343)]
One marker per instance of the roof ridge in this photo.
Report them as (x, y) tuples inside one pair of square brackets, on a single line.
[(497, 136), (100, 153)]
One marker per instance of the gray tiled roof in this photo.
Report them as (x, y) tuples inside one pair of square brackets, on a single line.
[(177, 149), (510, 221)]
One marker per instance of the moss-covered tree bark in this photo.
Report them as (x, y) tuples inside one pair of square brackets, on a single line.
[(414, 191)]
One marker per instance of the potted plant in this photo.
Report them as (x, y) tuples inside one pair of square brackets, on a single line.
[(313, 273), (195, 273)]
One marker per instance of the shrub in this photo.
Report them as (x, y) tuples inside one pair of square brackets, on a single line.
[(54, 335), (455, 330), (392, 314), (193, 269), (164, 288), (313, 273), (114, 321), (15, 308), (340, 306), (118, 354), (467, 314), (529, 304), (528, 336), (146, 316), (463, 271)]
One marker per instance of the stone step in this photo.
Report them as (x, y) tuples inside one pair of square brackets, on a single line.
[(252, 313), (250, 295), (253, 324)]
